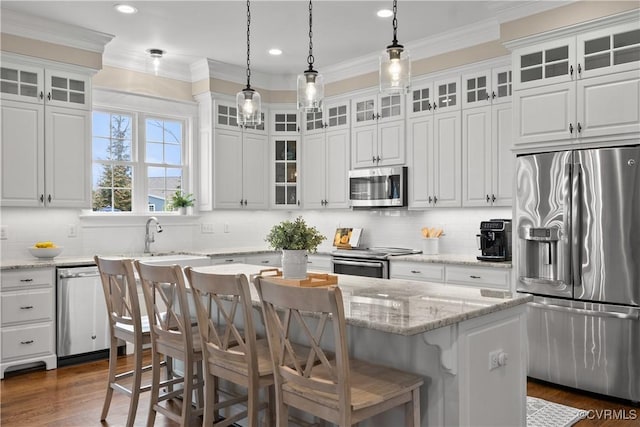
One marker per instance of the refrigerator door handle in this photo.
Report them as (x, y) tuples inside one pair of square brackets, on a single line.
[(611, 314), (568, 219), (576, 228)]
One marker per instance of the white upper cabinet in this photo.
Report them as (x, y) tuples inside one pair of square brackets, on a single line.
[(435, 161), (377, 134), (46, 137), (325, 170), (333, 116), (285, 184), (487, 160), (486, 87), (284, 122), (579, 88), (240, 163)]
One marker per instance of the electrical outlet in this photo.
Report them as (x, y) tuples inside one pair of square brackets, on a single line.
[(207, 228), (4, 232), (226, 228), (72, 230), (497, 359)]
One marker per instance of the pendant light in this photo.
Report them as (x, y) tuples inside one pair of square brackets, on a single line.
[(310, 82), (395, 64), (248, 100)]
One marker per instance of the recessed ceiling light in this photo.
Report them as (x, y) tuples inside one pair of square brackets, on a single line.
[(126, 8), (275, 52), (384, 13)]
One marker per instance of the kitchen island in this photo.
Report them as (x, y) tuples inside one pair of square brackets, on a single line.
[(470, 347)]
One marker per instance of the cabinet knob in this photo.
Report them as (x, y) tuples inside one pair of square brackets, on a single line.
[(488, 198), (373, 159), (373, 116), (377, 159), (42, 198), (429, 106), (579, 69), (435, 200), (298, 202), (488, 96), (245, 202), (49, 96), (49, 198), (579, 127), (493, 198), (241, 202), (41, 95), (430, 199), (475, 277), (493, 95), (377, 116), (571, 70), (435, 105), (570, 128)]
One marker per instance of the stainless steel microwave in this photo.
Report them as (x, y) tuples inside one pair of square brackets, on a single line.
[(378, 187)]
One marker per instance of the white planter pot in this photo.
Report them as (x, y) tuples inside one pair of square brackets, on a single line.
[(182, 210), (294, 264)]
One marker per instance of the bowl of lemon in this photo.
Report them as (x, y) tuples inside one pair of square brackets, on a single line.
[(45, 250)]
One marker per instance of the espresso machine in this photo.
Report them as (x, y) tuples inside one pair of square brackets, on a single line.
[(494, 240)]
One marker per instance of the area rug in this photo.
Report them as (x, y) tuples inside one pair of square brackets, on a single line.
[(542, 413)]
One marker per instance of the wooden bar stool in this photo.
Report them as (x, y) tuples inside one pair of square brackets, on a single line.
[(340, 390), (174, 335), (231, 352), (127, 324)]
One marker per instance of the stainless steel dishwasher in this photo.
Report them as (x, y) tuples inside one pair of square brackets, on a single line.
[(82, 323)]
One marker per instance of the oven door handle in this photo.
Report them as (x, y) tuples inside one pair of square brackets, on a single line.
[(358, 263)]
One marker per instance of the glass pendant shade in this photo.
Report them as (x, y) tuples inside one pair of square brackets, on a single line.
[(310, 91), (249, 107), (395, 69)]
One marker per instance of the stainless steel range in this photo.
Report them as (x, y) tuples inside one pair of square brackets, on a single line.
[(369, 262)]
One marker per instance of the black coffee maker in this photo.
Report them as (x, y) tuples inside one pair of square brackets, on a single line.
[(494, 240)]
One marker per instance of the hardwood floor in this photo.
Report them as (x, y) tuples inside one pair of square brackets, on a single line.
[(72, 396), (603, 412)]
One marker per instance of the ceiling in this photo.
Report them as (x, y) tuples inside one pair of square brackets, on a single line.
[(190, 31)]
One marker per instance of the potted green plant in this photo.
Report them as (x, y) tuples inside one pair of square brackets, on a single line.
[(181, 201), (295, 239)]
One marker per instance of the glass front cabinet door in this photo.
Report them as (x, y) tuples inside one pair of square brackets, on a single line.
[(285, 183)]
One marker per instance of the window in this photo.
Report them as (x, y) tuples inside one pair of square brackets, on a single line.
[(138, 161)]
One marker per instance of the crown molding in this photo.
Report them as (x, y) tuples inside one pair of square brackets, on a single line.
[(33, 27)]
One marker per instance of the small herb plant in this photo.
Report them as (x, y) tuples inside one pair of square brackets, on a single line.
[(182, 200), (296, 235)]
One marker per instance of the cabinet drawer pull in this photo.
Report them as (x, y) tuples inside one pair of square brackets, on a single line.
[(475, 277), (265, 262), (26, 280), (416, 271), (26, 342), (228, 260), (26, 307)]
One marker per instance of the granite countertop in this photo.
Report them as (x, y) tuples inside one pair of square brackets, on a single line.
[(459, 259), (403, 307)]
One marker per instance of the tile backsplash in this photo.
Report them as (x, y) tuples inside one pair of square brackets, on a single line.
[(233, 229)]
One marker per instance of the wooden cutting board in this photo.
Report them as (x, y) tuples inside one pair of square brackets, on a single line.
[(312, 279)]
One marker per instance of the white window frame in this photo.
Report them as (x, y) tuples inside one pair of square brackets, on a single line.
[(143, 107)]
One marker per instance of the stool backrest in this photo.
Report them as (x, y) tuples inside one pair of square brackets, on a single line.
[(223, 302), (120, 291), (167, 307), (290, 314)]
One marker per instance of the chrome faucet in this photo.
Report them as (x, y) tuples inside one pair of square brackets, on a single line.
[(149, 236)]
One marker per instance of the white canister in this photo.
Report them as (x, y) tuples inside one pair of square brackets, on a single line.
[(294, 264), (431, 246)]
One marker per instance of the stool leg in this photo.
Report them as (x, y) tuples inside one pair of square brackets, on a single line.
[(187, 393), (209, 400), (412, 414), (135, 386), (155, 387), (113, 361)]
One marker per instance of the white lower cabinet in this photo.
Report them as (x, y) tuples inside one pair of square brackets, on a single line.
[(28, 318), (498, 278), (476, 276), (417, 271), (266, 260)]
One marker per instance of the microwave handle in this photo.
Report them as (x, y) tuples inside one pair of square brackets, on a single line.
[(388, 187)]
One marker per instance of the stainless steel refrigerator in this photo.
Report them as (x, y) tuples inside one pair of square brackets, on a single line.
[(578, 237)]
